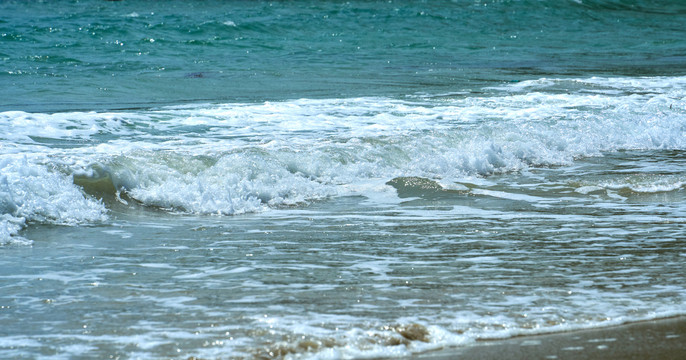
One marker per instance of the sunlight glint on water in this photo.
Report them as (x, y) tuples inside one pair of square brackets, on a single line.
[(323, 181)]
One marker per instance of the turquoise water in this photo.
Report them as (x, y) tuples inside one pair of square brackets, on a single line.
[(92, 55), (325, 180)]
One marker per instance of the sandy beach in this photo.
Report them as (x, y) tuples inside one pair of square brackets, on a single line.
[(657, 339)]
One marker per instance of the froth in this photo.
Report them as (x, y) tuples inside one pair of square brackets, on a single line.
[(9, 227), (604, 85), (640, 184), (31, 193), (237, 158), (231, 184)]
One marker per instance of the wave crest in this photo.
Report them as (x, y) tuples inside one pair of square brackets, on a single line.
[(30, 193)]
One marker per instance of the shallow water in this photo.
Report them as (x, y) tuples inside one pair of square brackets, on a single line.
[(396, 191), (345, 277)]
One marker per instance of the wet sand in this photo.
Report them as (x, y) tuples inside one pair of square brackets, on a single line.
[(657, 339)]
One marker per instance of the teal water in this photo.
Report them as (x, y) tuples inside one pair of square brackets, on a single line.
[(328, 180), (89, 55)]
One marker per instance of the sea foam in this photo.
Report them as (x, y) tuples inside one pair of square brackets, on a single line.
[(245, 157), (31, 194)]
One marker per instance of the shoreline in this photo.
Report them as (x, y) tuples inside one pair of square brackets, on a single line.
[(650, 339)]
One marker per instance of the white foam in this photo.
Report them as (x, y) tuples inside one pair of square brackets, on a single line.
[(242, 157), (15, 341), (24, 127), (234, 184), (640, 183), (31, 193), (662, 186), (519, 314), (506, 195), (604, 85), (9, 228), (308, 145)]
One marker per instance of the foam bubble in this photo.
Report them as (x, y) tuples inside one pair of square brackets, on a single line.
[(651, 186), (640, 184), (9, 228), (242, 157), (31, 128), (227, 184), (31, 193)]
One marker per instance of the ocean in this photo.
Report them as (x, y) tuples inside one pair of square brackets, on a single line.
[(336, 179)]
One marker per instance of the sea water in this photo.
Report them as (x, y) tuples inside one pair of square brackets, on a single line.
[(325, 179)]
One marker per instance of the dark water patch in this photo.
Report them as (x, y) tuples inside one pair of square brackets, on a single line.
[(408, 187), (100, 187), (195, 75)]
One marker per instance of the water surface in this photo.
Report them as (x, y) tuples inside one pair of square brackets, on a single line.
[(326, 180)]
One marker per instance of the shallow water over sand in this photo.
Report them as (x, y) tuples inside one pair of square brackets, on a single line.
[(324, 180), (348, 276)]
